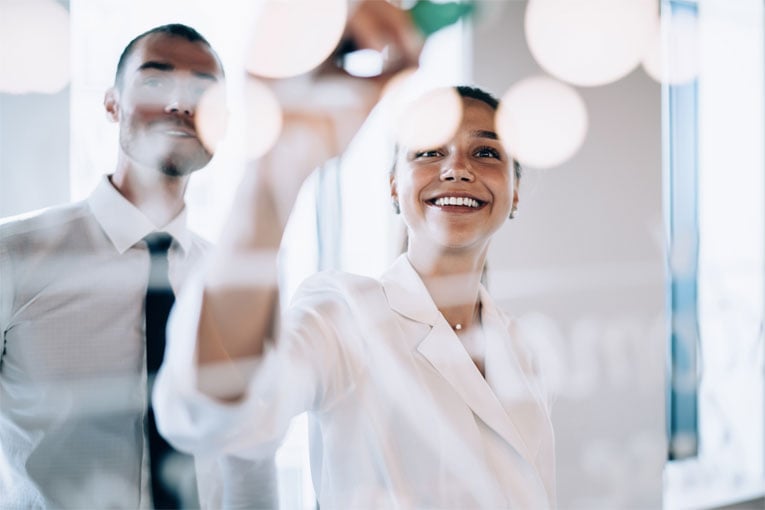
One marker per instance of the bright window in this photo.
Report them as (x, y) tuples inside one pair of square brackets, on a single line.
[(729, 119)]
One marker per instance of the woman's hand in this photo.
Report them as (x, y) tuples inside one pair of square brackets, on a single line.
[(323, 110)]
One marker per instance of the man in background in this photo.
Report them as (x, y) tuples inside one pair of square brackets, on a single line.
[(84, 293)]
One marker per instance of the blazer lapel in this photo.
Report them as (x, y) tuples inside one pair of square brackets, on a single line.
[(408, 296), (445, 352), (509, 377)]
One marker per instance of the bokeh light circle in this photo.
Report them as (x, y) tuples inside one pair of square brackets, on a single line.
[(263, 118), (542, 122), (291, 37), (430, 120), (672, 52), (588, 42), (211, 117), (400, 86), (34, 47)]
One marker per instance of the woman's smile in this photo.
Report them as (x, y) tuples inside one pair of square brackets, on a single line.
[(457, 202)]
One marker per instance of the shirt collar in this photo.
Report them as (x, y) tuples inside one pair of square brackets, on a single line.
[(125, 224)]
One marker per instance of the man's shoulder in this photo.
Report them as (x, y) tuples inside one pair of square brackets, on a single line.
[(44, 229), (41, 223), (202, 244)]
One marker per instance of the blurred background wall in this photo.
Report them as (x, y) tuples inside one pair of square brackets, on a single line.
[(583, 266)]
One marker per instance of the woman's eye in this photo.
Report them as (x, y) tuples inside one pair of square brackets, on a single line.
[(427, 154), (488, 152)]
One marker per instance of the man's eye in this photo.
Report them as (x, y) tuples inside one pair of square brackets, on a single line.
[(200, 91), (488, 152), (198, 87), (153, 82)]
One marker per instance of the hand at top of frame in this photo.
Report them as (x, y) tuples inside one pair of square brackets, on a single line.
[(322, 110)]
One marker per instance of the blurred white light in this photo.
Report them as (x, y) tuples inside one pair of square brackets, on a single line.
[(542, 122), (291, 37), (34, 46), (401, 86), (431, 120), (364, 63), (212, 117), (588, 42), (263, 118), (672, 52)]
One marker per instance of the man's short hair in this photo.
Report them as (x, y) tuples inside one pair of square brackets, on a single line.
[(173, 29)]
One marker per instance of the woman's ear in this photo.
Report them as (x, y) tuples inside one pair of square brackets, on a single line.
[(394, 193), (515, 196), (111, 104), (516, 182)]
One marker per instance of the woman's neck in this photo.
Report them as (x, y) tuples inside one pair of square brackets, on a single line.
[(453, 280)]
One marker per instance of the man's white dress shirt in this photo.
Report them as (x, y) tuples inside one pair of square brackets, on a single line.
[(72, 369), (400, 415)]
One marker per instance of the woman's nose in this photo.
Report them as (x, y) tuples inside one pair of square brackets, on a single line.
[(457, 170)]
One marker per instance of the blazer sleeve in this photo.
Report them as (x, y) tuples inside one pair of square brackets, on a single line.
[(305, 369)]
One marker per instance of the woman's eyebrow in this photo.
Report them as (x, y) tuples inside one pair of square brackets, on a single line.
[(483, 133)]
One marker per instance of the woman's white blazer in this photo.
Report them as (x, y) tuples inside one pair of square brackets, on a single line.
[(400, 417)]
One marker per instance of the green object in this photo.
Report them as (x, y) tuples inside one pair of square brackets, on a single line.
[(431, 17)]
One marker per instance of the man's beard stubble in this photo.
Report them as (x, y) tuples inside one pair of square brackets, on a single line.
[(160, 154)]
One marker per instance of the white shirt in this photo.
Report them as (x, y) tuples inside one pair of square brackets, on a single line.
[(401, 417), (72, 370)]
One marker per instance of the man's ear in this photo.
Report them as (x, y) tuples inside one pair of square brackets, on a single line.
[(112, 105)]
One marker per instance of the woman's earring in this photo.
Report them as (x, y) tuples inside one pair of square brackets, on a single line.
[(396, 207), (513, 212)]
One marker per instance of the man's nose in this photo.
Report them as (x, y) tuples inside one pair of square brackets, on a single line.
[(180, 102)]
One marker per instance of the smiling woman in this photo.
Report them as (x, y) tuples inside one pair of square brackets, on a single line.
[(407, 378)]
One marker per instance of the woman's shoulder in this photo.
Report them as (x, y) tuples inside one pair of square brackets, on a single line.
[(334, 279), (333, 286)]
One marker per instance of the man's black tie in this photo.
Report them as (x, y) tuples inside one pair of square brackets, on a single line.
[(159, 301)]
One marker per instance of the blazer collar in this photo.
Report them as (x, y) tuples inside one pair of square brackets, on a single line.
[(407, 294)]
